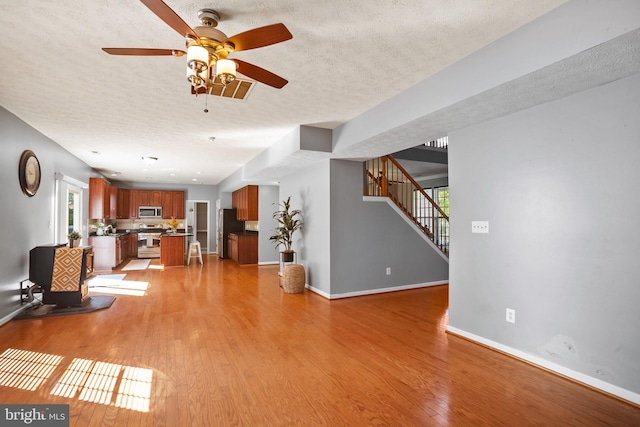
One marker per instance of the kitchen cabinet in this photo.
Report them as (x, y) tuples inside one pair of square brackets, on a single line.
[(123, 203), (149, 198), (232, 244), (130, 245), (243, 248), (156, 198), (113, 202), (99, 198), (172, 250), (167, 205), (134, 203), (245, 200), (172, 204), (144, 198), (177, 200), (110, 202)]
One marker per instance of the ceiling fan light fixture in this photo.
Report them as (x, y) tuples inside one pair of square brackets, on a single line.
[(197, 58), (226, 71), (197, 79)]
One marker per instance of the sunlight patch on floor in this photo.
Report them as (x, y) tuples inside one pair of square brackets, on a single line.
[(124, 287), (84, 379), (95, 382), (26, 369)]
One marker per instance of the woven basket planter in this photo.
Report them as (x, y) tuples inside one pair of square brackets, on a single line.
[(293, 279)]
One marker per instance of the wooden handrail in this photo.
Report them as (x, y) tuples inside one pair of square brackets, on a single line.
[(385, 177), (418, 186)]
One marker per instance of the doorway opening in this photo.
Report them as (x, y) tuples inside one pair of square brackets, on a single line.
[(198, 223)]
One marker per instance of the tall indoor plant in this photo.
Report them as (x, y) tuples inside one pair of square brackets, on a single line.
[(288, 223)]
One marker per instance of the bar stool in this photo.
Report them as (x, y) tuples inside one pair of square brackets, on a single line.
[(194, 246)]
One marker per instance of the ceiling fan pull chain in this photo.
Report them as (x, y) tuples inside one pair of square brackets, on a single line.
[(206, 102)]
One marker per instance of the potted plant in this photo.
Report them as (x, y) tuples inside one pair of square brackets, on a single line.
[(287, 225), (74, 239)]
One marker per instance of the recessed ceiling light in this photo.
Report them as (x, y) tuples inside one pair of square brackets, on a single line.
[(212, 138), (116, 173), (194, 179), (172, 174), (95, 152), (198, 173), (149, 160)]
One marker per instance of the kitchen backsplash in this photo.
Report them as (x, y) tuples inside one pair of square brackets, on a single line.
[(132, 224), (251, 225)]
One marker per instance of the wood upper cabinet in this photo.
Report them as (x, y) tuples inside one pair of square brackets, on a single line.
[(149, 198), (172, 204), (106, 201), (134, 203), (113, 202), (156, 198), (167, 205), (177, 202), (123, 205), (144, 198), (245, 200), (99, 198)]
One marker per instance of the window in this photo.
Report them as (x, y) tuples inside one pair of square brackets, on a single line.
[(69, 204), (74, 198)]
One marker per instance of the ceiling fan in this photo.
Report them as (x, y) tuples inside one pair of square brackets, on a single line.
[(208, 49)]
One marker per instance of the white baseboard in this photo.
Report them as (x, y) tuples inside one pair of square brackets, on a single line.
[(559, 369), (376, 291), (268, 263), (318, 291), (16, 312)]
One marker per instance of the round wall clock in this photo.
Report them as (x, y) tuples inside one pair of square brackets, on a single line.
[(29, 173)]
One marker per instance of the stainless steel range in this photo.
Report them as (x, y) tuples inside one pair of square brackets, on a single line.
[(149, 241)]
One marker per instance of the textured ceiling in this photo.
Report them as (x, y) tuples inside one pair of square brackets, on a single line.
[(345, 57)]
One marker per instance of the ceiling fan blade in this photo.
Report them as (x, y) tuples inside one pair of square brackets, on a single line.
[(143, 52), (260, 74), (260, 37), (172, 19)]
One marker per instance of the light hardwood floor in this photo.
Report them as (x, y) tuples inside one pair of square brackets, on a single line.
[(219, 345)]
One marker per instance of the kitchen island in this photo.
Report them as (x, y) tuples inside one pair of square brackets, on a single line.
[(172, 249)]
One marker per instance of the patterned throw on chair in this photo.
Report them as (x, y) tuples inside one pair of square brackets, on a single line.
[(67, 266)]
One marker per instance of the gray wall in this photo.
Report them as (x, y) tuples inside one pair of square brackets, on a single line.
[(558, 184), (309, 191), (368, 237), (27, 221), (347, 243)]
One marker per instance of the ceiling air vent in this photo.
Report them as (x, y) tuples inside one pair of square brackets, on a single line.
[(237, 89)]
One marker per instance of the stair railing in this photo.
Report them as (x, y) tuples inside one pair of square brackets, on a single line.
[(385, 177)]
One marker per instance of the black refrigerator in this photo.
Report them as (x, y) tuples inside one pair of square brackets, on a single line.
[(227, 223)]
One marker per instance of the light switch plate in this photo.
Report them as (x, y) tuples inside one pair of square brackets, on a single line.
[(480, 227)]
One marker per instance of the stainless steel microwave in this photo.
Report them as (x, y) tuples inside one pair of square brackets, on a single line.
[(149, 212)]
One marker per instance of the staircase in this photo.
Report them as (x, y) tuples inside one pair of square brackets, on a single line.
[(385, 177)]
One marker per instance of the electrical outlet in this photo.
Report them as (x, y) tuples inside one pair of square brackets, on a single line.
[(480, 227), (511, 315), (388, 271)]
